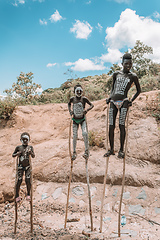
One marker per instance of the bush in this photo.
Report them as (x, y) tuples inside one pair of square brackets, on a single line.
[(154, 107), (95, 139), (150, 83), (7, 107)]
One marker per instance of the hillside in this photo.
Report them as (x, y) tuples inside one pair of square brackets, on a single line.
[(48, 126)]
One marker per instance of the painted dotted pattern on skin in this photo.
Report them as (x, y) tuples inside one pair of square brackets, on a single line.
[(78, 110)]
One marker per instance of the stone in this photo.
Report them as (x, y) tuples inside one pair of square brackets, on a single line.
[(136, 209), (57, 193), (126, 195), (115, 193), (93, 190), (98, 203), (142, 195), (78, 191), (106, 219), (44, 196), (72, 200), (81, 203), (157, 210)]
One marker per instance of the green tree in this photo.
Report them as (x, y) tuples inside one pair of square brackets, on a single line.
[(24, 89), (141, 64)]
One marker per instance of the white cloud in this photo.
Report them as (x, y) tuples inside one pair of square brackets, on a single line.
[(82, 30), (113, 56), (99, 27), (156, 15), (83, 65), (56, 17), (89, 2), (18, 2), (123, 1), (51, 65), (39, 90), (132, 27), (39, 1), (43, 22)]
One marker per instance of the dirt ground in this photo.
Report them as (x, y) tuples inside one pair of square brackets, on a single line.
[(48, 126)]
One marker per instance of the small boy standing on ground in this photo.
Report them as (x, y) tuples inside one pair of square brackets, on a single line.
[(122, 82), (23, 153), (79, 113)]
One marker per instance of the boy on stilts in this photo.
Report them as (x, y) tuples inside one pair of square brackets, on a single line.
[(122, 82), (78, 112), (23, 152)]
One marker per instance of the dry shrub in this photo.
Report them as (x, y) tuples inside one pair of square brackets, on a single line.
[(7, 107), (95, 139)]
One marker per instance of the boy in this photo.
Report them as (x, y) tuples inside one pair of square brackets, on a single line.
[(122, 82), (79, 113), (22, 152)]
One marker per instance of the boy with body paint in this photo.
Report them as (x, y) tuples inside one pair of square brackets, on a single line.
[(22, 152), (78, 112), (122, 82)]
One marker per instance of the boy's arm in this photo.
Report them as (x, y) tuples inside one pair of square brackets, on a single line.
[(114, 79), (136, 82), (89, 103), (17, 152), (69, 106), (31, 151)]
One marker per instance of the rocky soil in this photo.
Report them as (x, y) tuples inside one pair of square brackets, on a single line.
[(48, 126)]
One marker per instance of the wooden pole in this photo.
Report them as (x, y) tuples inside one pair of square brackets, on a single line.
[(16, 214), (31, 194), (89, 195), (70, 176), (123, 177), (104, 183), (89, 192)]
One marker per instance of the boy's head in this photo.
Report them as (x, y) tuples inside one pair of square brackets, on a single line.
[(127, 62), (25, 138), (78, 90), (126, 57)]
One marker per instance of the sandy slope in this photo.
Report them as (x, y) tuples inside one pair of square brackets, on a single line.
[(48, 126)]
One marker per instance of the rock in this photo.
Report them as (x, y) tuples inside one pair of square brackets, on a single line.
[(44, 196), (72, 200), (126, 195), (115, 193), (98, 203), (57, 193), (78, 191), (157, 210), (142, 195), (136, 209)]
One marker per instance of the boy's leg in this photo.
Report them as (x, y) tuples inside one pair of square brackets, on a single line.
[(85, 138), (112, 119), (122, 119), (19, 181), (75, 135), (28, 180)]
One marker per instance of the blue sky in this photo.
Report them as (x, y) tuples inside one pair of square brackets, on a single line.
[(47, 37)]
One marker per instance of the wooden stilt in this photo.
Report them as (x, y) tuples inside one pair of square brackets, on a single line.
[(89, 195), (70, 176), (106, 172), (123, 177), (31, 195), (89, 192), (16, 214)]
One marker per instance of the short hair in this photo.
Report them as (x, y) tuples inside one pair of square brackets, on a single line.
[(78, 85), (25, 133), (126, 56)]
